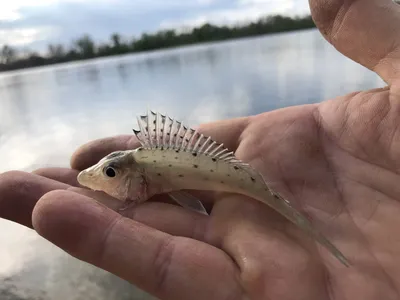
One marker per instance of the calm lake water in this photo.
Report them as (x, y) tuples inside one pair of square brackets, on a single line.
[(46, 113)]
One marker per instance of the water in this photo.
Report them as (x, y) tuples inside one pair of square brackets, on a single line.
[(47, 112)]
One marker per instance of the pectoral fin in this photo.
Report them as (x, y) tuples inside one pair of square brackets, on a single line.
[(188, 201)]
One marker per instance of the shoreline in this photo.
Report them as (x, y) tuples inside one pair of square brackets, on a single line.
[(86, 50)]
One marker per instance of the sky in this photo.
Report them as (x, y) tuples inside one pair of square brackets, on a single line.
[(35, 24)]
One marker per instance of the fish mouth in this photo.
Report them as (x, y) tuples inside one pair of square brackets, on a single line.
[(83, 177)]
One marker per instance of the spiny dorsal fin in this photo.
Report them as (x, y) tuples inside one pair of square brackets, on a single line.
[(160, 131)]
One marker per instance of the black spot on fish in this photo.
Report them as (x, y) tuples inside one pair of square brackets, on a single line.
[(162, 130), (176, 157), (154, 130), (275, 196), (175, 134), (187, 140), (158, 174), (162, 148), (252, 179), (212, 171), (154, 122), (195, 166), (180, 175), (222, 182), (154, 161), (194, 154), (177, 151), (170, 166), (139, 149), (168, 133), (181, 136), (229, 175), (147, 128), (214, 159), (236, 168)]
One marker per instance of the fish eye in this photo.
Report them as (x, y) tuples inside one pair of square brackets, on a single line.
[(110, 172)]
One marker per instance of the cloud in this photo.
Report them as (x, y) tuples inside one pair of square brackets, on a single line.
[(38, 23), (24, 36), (243, 11), (10, 11)]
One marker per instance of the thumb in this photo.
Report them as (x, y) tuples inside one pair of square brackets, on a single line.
[(367, 31)]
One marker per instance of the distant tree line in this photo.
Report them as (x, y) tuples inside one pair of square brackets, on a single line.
[(85, 47)]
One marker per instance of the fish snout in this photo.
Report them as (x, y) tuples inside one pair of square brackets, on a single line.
[(83, 177)]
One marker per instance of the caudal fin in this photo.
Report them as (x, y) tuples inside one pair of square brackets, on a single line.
[(285, 208)]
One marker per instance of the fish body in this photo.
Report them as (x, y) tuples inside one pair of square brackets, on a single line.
[(176, 168), (172, 158)]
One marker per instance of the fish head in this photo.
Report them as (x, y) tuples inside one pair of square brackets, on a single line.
[(117, 174)]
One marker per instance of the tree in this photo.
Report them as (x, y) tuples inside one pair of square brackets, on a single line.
[(85, 46), (7, 54), (116, 40), (56, 51), (118, 46)]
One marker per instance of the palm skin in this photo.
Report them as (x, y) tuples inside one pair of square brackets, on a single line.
[(338, 160)]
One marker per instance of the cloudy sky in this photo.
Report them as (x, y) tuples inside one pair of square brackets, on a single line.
[(34, 24)]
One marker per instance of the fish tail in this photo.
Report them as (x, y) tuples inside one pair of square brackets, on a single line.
[(284, 207)]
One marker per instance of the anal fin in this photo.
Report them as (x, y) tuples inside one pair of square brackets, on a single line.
[(188, 201)]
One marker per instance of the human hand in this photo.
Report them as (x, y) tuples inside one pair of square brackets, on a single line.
[(337, 159)]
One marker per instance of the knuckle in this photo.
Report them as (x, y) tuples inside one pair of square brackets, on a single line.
[(39, 171), (11, 178), (12, 174)]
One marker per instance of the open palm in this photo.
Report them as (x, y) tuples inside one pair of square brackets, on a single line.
[(337, 160)]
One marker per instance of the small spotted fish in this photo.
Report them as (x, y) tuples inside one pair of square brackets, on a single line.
[(172, 158)]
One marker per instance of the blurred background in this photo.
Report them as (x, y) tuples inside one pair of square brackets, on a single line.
[(74, 70)]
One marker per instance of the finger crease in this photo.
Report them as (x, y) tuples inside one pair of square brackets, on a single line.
[(339, 21), (106, 237), (162, 262), (199, 229)]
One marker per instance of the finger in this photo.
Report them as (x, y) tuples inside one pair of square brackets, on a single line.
[(90, 153), (226, 131), (19, 192), (268, 245), (166, 266), (366, 31), (64, 175), (165, 217)]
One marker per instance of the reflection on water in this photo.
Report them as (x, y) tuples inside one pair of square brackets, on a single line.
[(46, 113)]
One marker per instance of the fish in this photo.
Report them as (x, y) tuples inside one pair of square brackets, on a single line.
[(173, 157)]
